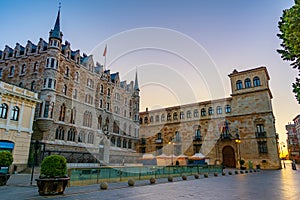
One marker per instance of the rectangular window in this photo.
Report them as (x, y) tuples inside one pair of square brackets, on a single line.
[(262, 147), (1, 73)]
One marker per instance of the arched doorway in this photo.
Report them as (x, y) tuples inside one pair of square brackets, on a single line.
[(228, 157)]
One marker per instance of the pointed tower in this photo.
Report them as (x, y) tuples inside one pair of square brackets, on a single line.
[(136, 99), (55, 35)]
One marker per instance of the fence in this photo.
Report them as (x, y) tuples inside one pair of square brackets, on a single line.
[(88, 176)]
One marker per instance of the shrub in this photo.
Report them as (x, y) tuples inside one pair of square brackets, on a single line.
[(230, 172), (223, 174), (215, 174), (54, 166), (6, 158), (196, 176), (206, 175), (170, 178), (184, 177)]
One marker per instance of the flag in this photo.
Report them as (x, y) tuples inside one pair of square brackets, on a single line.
[(104, 52)]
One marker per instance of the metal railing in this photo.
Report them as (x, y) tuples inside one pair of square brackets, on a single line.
[(89, 176)]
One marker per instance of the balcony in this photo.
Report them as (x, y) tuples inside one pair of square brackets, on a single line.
[(143, 141), (197, 138), (226, 136), (158, 141), (261, 134)]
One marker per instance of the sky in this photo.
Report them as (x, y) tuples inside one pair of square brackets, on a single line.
[(183, 50)]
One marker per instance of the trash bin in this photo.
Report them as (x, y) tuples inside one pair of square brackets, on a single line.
[(257, 166)]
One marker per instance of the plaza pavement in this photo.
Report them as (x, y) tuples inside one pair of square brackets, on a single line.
[(263, 185)]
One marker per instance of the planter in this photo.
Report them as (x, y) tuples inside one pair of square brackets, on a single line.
[(52, 186), (131, 182), (196, 176), (206, 175), (3, 179), (184, 177), (152, 180), (170, 178), (103, 186)]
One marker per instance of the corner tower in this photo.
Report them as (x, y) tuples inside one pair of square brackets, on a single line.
[(55, 35)]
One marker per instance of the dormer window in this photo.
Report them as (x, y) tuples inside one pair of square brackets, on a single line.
[(54, 43)]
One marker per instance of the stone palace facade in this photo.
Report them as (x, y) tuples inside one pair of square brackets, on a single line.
[(227, 130)]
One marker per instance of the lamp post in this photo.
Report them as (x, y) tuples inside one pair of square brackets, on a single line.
[(172, 143), (237, 142), (282, 145)]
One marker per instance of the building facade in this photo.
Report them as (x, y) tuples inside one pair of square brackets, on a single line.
[(293, 139), (86, 113), (224, 130), (17, 107)]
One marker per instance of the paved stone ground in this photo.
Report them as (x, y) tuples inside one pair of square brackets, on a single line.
[(264, 185)]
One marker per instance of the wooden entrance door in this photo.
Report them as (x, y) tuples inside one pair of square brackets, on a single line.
[(228, 157)]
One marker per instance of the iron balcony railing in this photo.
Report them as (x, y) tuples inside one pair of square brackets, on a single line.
[(261, 134)]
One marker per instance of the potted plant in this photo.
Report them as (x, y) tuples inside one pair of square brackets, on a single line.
[(242, 162), (53, 178), (6, 160)]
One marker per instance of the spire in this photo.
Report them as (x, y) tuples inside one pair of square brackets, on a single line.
[(55, 33), (136, 84)]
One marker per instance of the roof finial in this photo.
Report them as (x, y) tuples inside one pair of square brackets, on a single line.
[(136, 84), (59, 5)]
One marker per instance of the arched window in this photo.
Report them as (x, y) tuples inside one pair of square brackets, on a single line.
[(15, 113), (3, 111), (177, 137), (169, 117), (256, 81), (198, 133), (23, 69), (64, 90), (157, 118), (129, 130), (87, 119), (151, 119), (91, 138), (11, 71), (239, 85), (35, 67), (219, 110), (101, 89), (247, 83), (116, 128), (32, 87), (210, 111), (146, 120), (124, 143), (71, 134), (196, 113), (203, 112), (99, 122), (62, 112), (60, 133), (227, 109), (75, 94), (181, 115), (67, 71), (113, 140), (118, 142), (175, 116), (73, 115), (188, 114), (108, 91), (162, 117), (125, 129), (81, 137), (76, 76)]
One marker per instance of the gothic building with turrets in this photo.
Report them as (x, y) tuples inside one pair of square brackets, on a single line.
[(86, 113)]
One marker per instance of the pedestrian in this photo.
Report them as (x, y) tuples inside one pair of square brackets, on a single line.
[(294, 165)]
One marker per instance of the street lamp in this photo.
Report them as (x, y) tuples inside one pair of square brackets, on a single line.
[(282, 145), (237, 142), (172, 143)]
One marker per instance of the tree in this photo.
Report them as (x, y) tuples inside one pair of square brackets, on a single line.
[(289, 26)]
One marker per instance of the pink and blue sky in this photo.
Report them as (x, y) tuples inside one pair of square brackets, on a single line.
[(183, 50)]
